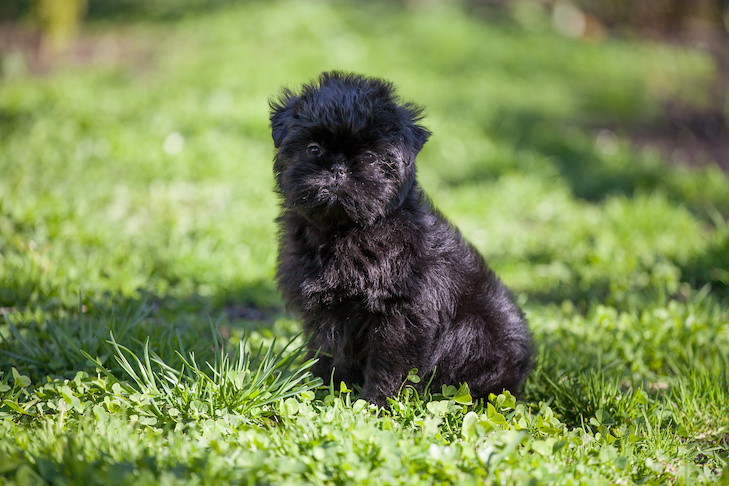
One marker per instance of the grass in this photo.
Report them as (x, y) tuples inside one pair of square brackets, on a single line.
[(143, 340)]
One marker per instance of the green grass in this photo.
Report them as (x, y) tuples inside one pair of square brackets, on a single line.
[(143, 340)]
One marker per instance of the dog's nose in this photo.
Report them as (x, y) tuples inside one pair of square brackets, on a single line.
[(338, 171)]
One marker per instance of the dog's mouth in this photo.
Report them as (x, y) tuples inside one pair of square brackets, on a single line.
[(331, 188), (318, 191), (332, 193), (329, 205), (335, 201), (329, 200)]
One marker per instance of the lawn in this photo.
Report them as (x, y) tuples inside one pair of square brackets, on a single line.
[(143, 340)]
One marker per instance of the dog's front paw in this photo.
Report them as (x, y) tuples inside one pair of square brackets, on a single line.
[(378, 400)]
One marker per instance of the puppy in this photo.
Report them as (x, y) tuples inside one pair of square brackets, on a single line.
[(382, 281)]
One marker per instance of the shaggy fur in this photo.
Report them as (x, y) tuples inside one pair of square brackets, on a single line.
[(382, 281)]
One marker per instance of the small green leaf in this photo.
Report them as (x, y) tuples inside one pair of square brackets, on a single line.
[(641, 397), (307, 395), (21, 380), (438, 408), (468, 427), (66, 393), (449, 390), (542, 447), (148, 421), (549, 430), (291, 406), (490, 410), (505, 400), (620, 463), (486, 425), (654, 466), (413, 376), (608, 453), (463, 395), (603, 417), (431, 425), (558, 445), (15, 406), (100, 413), (499, 419)]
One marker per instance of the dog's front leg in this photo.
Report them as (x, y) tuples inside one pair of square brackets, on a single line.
[(393, 354), (383, 378)]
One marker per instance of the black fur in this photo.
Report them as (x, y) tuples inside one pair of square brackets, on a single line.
[(382, 281)]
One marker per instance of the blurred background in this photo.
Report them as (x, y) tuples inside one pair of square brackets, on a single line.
[(39, 36), (581, 145)]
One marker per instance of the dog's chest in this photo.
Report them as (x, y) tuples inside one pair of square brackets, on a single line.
[(352, 270)]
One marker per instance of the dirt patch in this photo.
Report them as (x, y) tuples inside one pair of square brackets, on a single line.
[(690, 135), (687, 136), (23, 51)]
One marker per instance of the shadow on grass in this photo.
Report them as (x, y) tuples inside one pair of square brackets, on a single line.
[(711, 268), (589, 159), (658, 280), (47, 341), (12, 121)]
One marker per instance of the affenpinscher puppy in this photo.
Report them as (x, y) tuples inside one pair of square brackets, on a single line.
[(381, 280)]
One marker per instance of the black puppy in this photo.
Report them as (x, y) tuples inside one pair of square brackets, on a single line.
[(383, 282)]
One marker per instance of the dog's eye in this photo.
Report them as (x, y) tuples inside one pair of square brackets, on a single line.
[(369, 158), (314, 150)]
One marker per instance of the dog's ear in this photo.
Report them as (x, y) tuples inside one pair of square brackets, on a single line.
[(282, 110), (414, 134)]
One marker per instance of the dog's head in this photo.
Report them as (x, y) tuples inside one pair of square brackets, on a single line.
[(345, 148)]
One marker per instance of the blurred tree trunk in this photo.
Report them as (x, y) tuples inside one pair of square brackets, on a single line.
[(59, 21)]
